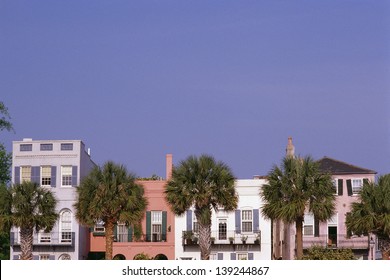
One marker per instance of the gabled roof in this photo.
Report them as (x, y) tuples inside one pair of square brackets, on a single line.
[(339, 167)]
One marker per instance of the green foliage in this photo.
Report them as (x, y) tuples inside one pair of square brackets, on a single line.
[(205, 184), (27, 206), (142, 256), (5, 165), (296, 187), (110, 194), (371, 214), (320, 253), (4, 245), (4, 119)]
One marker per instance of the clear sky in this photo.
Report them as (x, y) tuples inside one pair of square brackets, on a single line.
[(136, 80)]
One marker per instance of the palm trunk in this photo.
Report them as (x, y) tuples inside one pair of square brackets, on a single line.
[(26, 243), (109, 239), (277, 254), (204, 241), (299, 237), (385, 248)]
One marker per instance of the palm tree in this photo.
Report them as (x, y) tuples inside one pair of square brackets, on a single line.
[(205, 184), (372, 213), (110, 195), (295, 187), (28, 207)]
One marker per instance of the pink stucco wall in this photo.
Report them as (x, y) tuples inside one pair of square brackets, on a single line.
[(154, 192)]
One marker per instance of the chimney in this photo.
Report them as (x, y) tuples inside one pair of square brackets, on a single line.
[(290, 150), (169, 166)]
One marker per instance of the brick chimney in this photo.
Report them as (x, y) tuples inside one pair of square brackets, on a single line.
[(169, 166), (290, 150)]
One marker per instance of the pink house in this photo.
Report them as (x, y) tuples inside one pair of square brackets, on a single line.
[(348, 181), (157, 238)]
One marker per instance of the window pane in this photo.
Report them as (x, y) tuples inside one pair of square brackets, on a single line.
[(46, 147), (26, 173), (66, 172), (66, 147), (46, 175), (25, 147)]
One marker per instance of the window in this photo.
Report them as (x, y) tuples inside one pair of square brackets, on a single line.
[(46, 147), (246, 218), (156, 225), (25, 174), (242, 256), (66, 227), (44, 237), (356, 185), (46, 176), (308, 224), (66, 146), (195, 224), (213, 257), (44, 257), (335, 186), (222, 229), (64, 257), (122, 232), (25, 147), (99, 227), (66, 174)]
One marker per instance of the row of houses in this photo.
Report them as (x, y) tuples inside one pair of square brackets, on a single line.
[(238, 235)]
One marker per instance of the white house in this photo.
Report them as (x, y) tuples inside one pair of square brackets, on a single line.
[(238, 235)]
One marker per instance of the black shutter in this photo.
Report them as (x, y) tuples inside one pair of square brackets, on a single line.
[(74, 176), (349, 187), (35, 174), (316, 227), (340, 186), (53, 176)]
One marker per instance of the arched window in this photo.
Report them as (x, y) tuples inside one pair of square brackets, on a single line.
[(66, 226), (64, 257)]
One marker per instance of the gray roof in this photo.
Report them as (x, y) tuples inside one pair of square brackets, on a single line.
[(334, 166)]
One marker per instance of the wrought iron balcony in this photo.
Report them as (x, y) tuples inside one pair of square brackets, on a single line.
[(154, 237), (336, 241), (66, 239), (224, 238)]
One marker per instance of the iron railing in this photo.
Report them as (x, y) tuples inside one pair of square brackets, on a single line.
[(47, 239), (154, 237), (224, 237), (337, 241)]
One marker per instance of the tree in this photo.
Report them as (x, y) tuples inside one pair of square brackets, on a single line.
[(28, 207), (110, 195), (295, 187), (5, 165), (371, 214), (204, 184), (320, 253), (4, 120)]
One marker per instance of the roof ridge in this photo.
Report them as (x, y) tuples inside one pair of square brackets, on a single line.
[(348, 164)]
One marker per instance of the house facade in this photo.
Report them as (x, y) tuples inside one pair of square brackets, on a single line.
[(348, 180), (57, 165), (156, 237), (239, 235)]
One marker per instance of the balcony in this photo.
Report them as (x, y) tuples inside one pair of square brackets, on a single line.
[(64, 239), (247, 240), (154, 237), (336, 241)]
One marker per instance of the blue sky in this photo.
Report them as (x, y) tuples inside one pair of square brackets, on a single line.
[(136, 80)]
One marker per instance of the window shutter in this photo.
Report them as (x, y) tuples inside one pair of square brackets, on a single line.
[(220, 256), (189, 220), (148, 226), (116, 232), (232, 256), (349, 187), (52, 257), (316, 227), (250, 256), (17, 175), (74, 176), (238, 221), (35, 257), (130, 233), (164, 225), (53, 176), (340, 186), (35, 174), (255, 220)]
